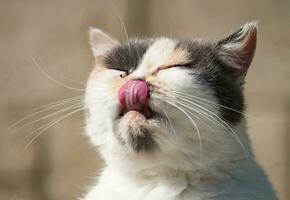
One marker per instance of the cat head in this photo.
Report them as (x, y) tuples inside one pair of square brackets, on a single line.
[(166, 100)]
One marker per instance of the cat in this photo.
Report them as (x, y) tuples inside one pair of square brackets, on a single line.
[(168, 118)]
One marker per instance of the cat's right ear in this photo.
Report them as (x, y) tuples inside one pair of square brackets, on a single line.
[(239, 48), (101, 42)]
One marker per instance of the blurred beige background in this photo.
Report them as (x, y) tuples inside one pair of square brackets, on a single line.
[(61, 163)]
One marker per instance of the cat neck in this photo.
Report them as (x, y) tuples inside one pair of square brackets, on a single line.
[(178, 183), (213, 163)]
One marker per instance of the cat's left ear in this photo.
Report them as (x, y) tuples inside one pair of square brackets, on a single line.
[(101, 42), (238, 49)]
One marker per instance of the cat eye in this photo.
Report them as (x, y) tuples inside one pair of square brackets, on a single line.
[(163, 67), (123, 75), (124, 72)]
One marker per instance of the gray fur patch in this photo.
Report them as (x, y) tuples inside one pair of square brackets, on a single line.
[(139, 139), (217, 75), (126, 57)]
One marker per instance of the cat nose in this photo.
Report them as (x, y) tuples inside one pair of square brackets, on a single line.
[(134, 94)]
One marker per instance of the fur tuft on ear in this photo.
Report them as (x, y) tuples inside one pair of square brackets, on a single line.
[(101, 42), (239, 47)]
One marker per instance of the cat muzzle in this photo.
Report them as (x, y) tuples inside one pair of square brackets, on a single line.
[(133, 96)]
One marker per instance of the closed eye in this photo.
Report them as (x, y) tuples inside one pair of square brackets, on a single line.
[(119, 69), (123, 72), (163, 67)]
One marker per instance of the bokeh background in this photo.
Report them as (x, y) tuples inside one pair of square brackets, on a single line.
[(61, 163)]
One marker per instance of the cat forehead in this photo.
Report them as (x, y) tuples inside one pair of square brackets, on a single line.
[(151, 53), (164, 52)]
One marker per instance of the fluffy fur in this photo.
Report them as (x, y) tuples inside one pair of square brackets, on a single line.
[(195, 147)]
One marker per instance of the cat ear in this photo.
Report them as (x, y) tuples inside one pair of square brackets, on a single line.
[(101, 42), (238, 49)]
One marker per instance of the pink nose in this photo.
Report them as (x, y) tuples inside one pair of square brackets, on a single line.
[(133, 95)]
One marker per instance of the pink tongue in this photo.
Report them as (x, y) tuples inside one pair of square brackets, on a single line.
[(133, 95)]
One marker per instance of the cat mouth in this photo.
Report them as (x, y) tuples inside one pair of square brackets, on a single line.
[(146, 112)]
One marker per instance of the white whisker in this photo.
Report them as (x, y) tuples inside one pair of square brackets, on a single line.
[(122, 23), (170, 123), (74, 81), (211, 116), (41, 127), (190, 118), (203, 114), (45, 108), (185, 95), (52, 114), (218, 120), (51, 78), (52, 124)]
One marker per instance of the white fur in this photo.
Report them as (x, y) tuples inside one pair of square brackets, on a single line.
[(181, 169), (100, 42)]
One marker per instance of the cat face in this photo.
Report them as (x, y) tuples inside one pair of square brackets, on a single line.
[(164, 96)]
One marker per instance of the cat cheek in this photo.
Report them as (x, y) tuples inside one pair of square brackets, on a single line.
[(167, 75), (156, 82), (114, 81)]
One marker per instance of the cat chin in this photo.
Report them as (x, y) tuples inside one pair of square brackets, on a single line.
[(133, 117), (135, 132)]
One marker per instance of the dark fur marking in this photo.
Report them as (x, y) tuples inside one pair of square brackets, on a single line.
[(139, 139), (217, 75), (142, 141), (227, 91), (199, 54), (233, 37), (126, 57)]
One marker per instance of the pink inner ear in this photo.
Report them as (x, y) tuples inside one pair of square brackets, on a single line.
[(243, 55)]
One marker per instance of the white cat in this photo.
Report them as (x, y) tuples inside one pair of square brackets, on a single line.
[(167, 118)]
